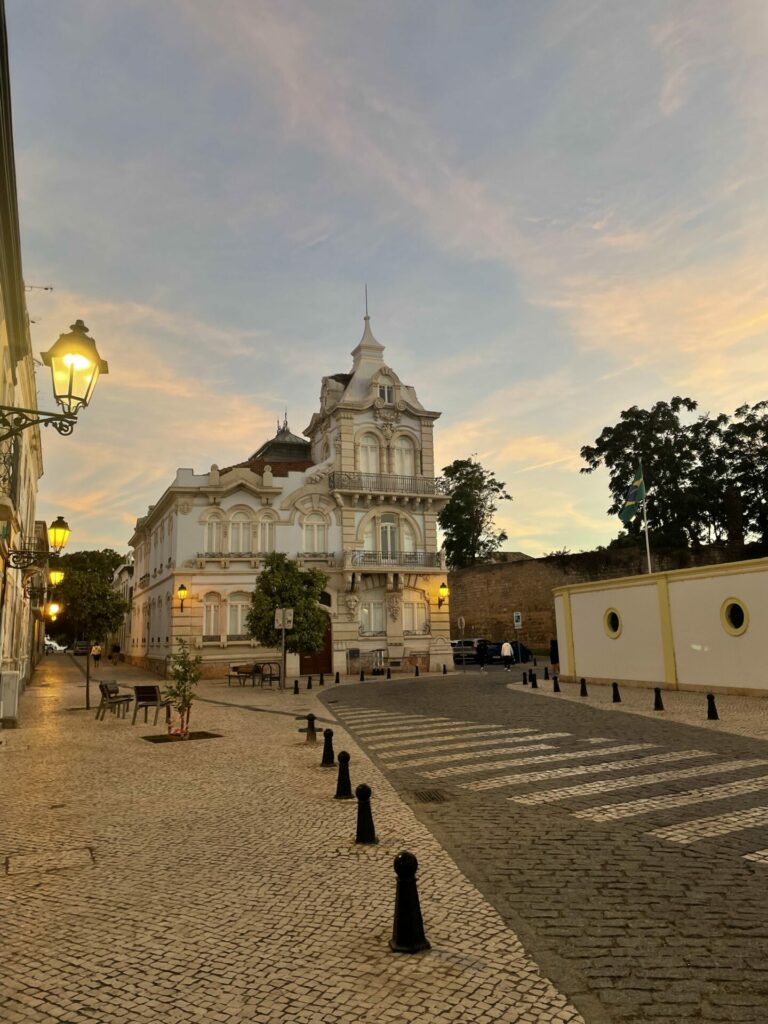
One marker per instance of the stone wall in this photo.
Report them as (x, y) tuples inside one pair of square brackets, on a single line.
[(487, 596)]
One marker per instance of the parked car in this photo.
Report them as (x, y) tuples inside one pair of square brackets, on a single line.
[(51, 647), (81, 647), (465, 651)]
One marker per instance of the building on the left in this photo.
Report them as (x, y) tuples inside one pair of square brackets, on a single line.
[(22, 628)]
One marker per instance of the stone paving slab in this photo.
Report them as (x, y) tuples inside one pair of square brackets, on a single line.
[(223, 883)]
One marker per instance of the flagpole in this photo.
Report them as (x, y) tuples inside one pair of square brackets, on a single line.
[(647, 542)]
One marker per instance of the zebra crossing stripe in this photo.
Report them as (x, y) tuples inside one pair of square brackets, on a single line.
[(521, 778), (465, 755), (460, 732), (466, 751), (385, 732), (715, 825), (570, 755), (637, 781), (594, 769), (521, 750), (612, 812), (758, 856)]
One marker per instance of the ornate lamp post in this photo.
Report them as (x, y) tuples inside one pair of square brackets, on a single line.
[(75, 367), (442, 594), (182, 595)]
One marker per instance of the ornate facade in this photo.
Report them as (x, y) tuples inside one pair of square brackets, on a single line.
[(358, 499)]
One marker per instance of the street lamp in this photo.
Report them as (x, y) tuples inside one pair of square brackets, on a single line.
[(442, 594), (55, 577), (26, 557), (182, 594), (75, 367)]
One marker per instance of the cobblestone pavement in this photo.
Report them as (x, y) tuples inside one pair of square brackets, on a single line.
[(218, 881), (629, 852)]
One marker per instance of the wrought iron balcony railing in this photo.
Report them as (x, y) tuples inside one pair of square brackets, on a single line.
[(387, 483), (396, 559)]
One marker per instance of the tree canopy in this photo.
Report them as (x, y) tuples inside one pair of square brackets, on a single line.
[(467, 520), (706, 474), (282, 584), (92, 609)]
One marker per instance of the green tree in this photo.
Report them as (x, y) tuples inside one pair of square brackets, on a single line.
[(467, 519), (185, 675), (706, 475), (745, 441), (281, 584), (92, 609)]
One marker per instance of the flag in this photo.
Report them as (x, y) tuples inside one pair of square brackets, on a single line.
[(636, 495)]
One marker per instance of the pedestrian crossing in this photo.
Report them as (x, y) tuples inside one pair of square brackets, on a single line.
[(557, 767)]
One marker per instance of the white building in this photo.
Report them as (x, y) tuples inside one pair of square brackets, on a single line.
[(357, 500), (690, 629)]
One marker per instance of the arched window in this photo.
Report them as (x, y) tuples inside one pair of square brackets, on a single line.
[(239, 534), (405, 457), (266, 535), (369, 536), (212, 617), (369, 454), (213, 535), (315, 533), (239, 604), (407, 537), (388, 545)]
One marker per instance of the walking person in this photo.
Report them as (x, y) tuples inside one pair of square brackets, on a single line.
[(96, 653), (506, 655), (482, 652)]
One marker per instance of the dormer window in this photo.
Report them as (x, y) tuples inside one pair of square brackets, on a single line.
[(387, 394)]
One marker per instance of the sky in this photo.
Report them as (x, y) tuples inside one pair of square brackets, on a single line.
[(559, 208)]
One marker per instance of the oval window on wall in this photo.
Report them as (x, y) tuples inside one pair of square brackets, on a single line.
[(612, 623), (734, 616)]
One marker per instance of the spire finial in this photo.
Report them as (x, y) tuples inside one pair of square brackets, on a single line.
[(366, 303), (285, 419)]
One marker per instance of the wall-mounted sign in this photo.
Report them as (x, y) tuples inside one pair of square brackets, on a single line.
[(518, 617)]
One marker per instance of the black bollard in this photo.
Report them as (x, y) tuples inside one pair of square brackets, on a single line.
[(362, 676), (295, 685), (322, 679), (546, 672), (417, 671), (555, 684), (535, 663), (310, 730), (445, 669), (525, 678), (309, 682), (583, 690), (389, 672), (616, 695), (328, 760), (337, 680), (365, 830), (712, 714), (658, 703), (408, 928), (343, 785), (534, 682)]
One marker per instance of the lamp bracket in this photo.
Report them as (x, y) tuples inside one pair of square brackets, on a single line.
[(13, 420), (25, 558)]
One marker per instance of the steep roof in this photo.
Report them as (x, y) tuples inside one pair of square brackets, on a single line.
[(285, 451)]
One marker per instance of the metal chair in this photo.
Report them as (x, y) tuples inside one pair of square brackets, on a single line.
[(112, 698)]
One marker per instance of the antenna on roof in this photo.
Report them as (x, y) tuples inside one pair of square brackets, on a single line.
[(285, 420)]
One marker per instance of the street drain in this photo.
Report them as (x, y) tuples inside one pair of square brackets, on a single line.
[(430, 796)]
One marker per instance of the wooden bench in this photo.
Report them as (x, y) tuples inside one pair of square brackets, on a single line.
[(242, 673)]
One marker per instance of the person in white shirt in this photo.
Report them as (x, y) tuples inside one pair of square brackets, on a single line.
[(506, 654)]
